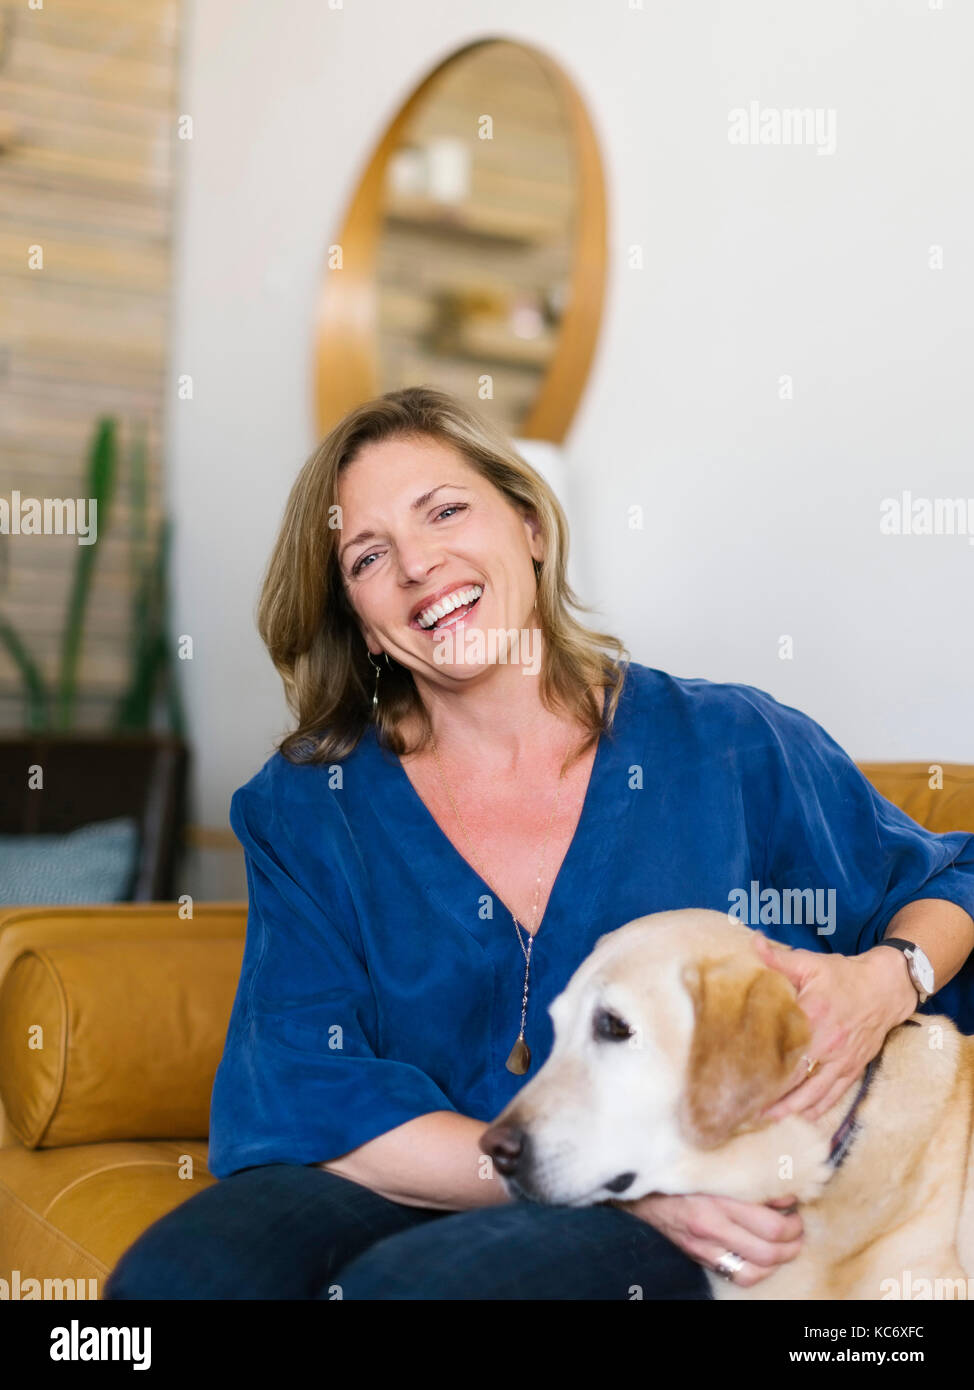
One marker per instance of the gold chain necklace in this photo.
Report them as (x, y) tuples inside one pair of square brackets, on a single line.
[(520, 1055)]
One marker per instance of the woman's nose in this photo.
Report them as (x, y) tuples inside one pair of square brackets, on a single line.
[(418, 560)]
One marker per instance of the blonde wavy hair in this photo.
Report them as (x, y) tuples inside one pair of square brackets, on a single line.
[(311, 631)]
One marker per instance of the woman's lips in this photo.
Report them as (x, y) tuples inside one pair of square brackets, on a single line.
[(451, 619)]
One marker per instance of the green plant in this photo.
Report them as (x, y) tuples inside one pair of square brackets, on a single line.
[(152, 668), (35, 691), (102, 471)]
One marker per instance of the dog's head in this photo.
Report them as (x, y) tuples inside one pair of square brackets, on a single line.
[(671, 1038)]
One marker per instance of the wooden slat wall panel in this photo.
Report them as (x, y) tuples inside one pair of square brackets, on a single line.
[(88, 92)]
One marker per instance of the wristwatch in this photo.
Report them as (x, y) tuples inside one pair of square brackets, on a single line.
[(917, 962)]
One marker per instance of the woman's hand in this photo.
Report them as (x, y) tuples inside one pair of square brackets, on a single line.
[(851, 1002), (706, 1227)]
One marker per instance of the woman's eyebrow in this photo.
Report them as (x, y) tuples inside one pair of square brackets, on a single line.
[(413, 507)]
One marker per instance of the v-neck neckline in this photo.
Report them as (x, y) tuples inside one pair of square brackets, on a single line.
[(595, 768), (441, 866)]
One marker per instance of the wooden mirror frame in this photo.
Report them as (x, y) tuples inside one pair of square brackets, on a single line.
[(346, 356)]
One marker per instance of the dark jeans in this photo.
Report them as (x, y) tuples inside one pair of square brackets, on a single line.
[(287, 1231)]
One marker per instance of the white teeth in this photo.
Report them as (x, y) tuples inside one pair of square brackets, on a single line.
[(457, 599)]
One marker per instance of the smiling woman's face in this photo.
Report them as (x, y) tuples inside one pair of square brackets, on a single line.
[(418, 524)]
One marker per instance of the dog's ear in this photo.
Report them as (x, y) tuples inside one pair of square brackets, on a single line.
[(748, 1036)]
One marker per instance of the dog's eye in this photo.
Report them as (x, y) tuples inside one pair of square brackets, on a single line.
[(606, 1025)]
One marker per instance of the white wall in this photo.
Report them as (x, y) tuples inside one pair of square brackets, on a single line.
[(762, 515)]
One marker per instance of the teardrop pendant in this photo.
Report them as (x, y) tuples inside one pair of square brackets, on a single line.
[(520, 1058)]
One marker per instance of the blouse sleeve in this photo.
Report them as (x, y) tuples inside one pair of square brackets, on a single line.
[(300, 1080), (819, 823)]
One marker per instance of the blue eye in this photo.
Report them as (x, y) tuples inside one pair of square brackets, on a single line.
[(360, 562)]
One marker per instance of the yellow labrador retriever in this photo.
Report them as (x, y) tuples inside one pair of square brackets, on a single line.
[(672, 1037)]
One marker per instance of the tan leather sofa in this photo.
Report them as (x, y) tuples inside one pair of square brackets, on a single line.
[(112, 1022)]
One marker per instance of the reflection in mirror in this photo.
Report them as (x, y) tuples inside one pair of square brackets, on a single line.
[(472, 256), (475, 248)]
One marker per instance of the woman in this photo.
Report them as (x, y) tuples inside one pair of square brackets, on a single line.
[(456, 819)]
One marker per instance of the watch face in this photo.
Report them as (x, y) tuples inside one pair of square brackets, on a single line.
[(924, 970)]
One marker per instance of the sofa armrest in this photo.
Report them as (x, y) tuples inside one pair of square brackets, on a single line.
[(116, 1039), (36, 928)]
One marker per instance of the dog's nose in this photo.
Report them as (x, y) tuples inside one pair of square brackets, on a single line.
[(505, 1145), (620, 1183)]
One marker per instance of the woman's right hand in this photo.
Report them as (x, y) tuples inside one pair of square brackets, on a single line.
[(705, 1227)]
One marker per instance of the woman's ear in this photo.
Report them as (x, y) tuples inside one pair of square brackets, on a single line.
[(748, 1036), (535, 538)]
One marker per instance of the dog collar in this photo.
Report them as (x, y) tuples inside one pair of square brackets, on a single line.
[(843, 1137)]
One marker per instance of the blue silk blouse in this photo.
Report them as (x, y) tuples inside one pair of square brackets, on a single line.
[(381, 978)]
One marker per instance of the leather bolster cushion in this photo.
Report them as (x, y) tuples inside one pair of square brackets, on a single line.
[(114, 1039)]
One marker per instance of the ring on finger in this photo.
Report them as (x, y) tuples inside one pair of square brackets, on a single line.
[(811, 1064), (728, 1265)]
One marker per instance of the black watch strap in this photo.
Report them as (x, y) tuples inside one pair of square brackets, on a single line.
[(901, 944)]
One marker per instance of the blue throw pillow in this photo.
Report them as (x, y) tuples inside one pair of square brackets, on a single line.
[(93, 864)]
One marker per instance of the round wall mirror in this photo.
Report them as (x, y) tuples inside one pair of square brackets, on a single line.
[(472, 254)]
